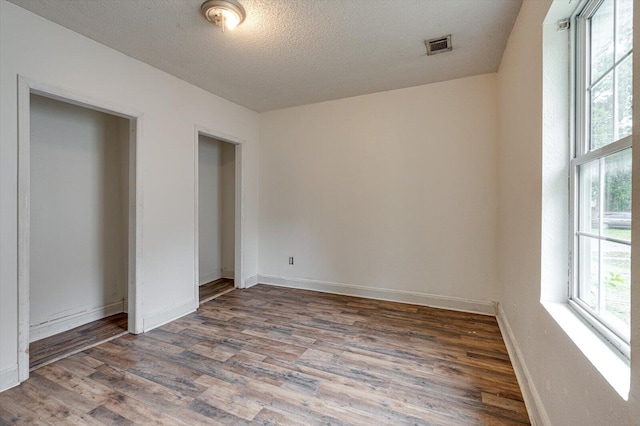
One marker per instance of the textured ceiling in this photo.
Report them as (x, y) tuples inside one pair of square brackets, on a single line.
[(295, 52)]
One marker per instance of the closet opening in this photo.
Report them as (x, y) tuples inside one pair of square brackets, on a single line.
[(76, 225), (216, 217), (79, 227)]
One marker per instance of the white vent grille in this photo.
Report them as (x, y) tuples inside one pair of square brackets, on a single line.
[(439, 45)]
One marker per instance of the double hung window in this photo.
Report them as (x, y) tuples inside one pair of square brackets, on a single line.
[(601, 168)]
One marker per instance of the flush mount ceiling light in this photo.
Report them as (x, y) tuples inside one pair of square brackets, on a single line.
[(223, 13)]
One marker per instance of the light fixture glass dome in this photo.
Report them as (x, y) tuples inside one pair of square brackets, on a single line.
[(223, 13)]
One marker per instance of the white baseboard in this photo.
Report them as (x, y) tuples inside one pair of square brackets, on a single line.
[(210, 277), (161, 318), (414, 298), (228, 274), (251, 281), (9, 378), (58, 325), (537, 414)]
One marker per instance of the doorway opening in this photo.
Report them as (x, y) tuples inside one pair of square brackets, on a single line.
[(217, 216), (76, 225)]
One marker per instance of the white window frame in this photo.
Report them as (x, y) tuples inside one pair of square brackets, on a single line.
[(580, 154)]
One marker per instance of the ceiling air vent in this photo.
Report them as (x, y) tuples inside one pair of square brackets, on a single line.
[(439, 45)]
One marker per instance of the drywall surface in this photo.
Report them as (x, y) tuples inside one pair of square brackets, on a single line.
[(228, 201), (216, 199), (209, 215), (78, 235), (570, 389), (395, 190), (170, 109)]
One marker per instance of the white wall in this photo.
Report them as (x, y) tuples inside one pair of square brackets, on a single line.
[(209, 210), (216, 199), (228, 201), (394, 190), (78, 269), (571, 390), (400, 190), (38, 49)]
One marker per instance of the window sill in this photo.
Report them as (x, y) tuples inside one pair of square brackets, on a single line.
[(611, 364)]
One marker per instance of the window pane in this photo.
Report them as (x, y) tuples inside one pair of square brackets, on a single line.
[(602, 113), (602, 40), (624, 97), (616, 285), (602, 201), (589, 252), (617, 195), (589, 197), (624, 27)]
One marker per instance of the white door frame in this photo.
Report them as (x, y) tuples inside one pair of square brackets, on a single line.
[(26, 87), (238, 273)]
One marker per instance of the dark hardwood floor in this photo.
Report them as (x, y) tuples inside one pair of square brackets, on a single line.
[(274, 356), (44, 351), (210, 291)]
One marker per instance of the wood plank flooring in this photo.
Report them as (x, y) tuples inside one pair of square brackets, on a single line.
[(272, 356), (44, 351), (210, 291)]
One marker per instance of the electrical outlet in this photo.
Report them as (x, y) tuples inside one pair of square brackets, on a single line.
[(291, 260)]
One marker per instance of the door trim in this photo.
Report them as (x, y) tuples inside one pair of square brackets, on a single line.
[(26, 87)]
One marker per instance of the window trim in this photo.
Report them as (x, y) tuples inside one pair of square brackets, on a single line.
[(579, 154)]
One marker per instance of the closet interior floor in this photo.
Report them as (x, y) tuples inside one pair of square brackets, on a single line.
[(61, 345), (213, 289)]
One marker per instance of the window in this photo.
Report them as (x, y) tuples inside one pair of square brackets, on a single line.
[(601, 168)]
